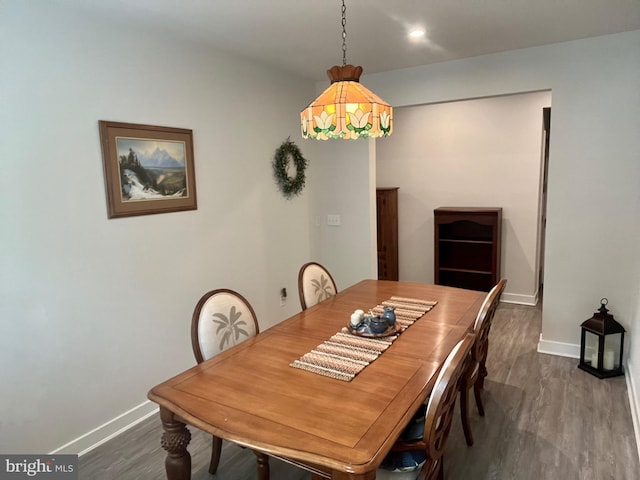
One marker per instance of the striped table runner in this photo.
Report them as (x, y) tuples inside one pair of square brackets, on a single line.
[(345, 355)]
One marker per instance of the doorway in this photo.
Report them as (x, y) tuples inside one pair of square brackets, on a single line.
[(485, 152), (546, 137)]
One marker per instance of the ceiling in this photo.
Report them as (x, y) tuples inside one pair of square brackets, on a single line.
[(304, 37)]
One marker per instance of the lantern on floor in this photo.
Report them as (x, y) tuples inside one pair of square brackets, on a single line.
[(601, 344)]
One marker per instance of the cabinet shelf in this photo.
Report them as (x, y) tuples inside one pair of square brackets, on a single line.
[(466, 270), (451, 240), (467, 247)]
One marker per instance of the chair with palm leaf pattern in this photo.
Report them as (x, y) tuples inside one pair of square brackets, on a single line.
[(315, 284), (223, 318)]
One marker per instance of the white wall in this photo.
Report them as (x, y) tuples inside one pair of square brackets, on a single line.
[(475, 153), (343, 183), (593, 201), (94, 311), (593, 173), (633, 364)]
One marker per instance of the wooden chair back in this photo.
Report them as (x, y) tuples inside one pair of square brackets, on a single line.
[(439, 413), (315, 284), (476, 370), (440, 409), (482, 325)]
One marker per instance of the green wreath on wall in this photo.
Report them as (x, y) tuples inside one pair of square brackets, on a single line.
[(289, 151)]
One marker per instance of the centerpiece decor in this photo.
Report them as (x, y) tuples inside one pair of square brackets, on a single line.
[(364, 339)]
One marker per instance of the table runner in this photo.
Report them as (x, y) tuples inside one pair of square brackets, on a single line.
[(344, 355)]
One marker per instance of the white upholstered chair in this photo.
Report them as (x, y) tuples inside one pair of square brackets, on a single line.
[(315, 284), (223, 318)]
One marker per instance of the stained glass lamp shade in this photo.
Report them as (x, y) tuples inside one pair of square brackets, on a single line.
[(347, 109)]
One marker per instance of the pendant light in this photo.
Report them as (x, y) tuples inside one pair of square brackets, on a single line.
[(346, 109)]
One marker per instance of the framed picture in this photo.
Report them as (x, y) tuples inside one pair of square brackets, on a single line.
[(147, 169)]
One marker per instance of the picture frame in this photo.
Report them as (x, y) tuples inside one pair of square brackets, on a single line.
[(148, 169)]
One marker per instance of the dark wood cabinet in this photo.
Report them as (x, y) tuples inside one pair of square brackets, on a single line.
[(387, 219), (467, 247)]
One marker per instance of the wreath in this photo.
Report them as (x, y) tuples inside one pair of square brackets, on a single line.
[(289, 186)]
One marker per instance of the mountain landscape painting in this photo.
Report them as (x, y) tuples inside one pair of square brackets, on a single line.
[(148, 169), (151, 169)]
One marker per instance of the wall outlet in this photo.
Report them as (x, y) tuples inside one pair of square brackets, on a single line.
[(283, 297), (333, 220)]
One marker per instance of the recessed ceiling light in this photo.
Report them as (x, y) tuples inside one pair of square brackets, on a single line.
[(417, 33)]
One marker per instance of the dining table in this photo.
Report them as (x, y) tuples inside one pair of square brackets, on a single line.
[(253, 395)]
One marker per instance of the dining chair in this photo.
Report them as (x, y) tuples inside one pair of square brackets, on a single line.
[(476, 369), (315, 284), (419, 451), (221, 319)]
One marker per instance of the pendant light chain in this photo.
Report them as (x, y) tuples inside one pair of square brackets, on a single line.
[(344, 34)]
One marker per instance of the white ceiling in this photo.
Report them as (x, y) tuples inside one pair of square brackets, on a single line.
[(304, 37)]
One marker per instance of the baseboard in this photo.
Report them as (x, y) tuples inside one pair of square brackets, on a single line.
[(558, 348), (531, 300), (107, 431), (634, 403)]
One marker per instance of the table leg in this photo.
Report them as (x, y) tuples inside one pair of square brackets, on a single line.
[(175, 439)]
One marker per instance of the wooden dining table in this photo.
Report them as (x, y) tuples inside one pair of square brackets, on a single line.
[(252, 396)]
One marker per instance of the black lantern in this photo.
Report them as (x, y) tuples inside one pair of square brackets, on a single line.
[(601, 344)]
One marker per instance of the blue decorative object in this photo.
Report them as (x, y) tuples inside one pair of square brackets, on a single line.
[(372, 325), (389, 315), (377, 324)]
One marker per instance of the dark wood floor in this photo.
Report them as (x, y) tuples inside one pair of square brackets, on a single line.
[(545, 419)]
